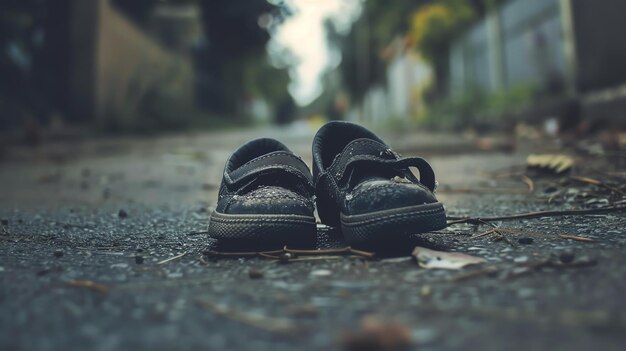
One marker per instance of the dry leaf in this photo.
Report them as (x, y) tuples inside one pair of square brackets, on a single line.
[(432, 259), (377, 335), (557, 163)]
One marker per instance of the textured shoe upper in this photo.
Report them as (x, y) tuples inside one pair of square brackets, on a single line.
[(264, 177), (356, 172)]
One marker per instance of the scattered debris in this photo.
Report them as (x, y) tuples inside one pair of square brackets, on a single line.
[(430, 259), (523, 266), (88, 284), (377, 335), (269, 324), (556, 163), (122, 214)]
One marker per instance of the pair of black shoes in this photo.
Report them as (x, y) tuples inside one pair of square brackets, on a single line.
[(268, 195)]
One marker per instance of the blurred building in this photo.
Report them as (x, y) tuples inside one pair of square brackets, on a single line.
[(120, 70), (408, 77), (100, 62), (562, 48)]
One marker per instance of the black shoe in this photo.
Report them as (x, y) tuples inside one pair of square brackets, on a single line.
[(368, 190), (266, 198)]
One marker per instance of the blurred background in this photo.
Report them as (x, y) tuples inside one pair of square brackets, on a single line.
[(76, 67)]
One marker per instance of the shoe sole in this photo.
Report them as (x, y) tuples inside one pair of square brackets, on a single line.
[(252, 230), (392, 225)]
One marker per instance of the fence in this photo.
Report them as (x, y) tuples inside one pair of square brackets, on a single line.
[(559, 46)]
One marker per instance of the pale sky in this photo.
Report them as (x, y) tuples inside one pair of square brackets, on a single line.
[(304, 35)]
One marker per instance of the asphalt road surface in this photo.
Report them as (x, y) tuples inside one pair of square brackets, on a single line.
[(103, 247)]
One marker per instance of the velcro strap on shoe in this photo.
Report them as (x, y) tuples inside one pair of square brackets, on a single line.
[(367, 151), (426, 173), (359, 147), (279, 162)]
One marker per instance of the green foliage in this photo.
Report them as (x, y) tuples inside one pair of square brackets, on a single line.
[(434, 26), (477, 108)]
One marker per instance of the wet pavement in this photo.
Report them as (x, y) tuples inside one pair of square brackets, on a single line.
[(103, 246)]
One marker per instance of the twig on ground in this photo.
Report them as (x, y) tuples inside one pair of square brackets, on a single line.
[(538, 214), (482, 190), (487, 233), (292, 253), (269, 324), (529, 182), (596, 182), (577, 238), (172, 258)]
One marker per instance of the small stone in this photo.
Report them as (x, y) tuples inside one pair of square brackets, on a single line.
[(58, 253), (566, 257), (119, 265), (525, 241), (122, 214), (321, 273), (254, 273), (521, 259), (138, 259), (174, 275), (525, 293), (285, 257)]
